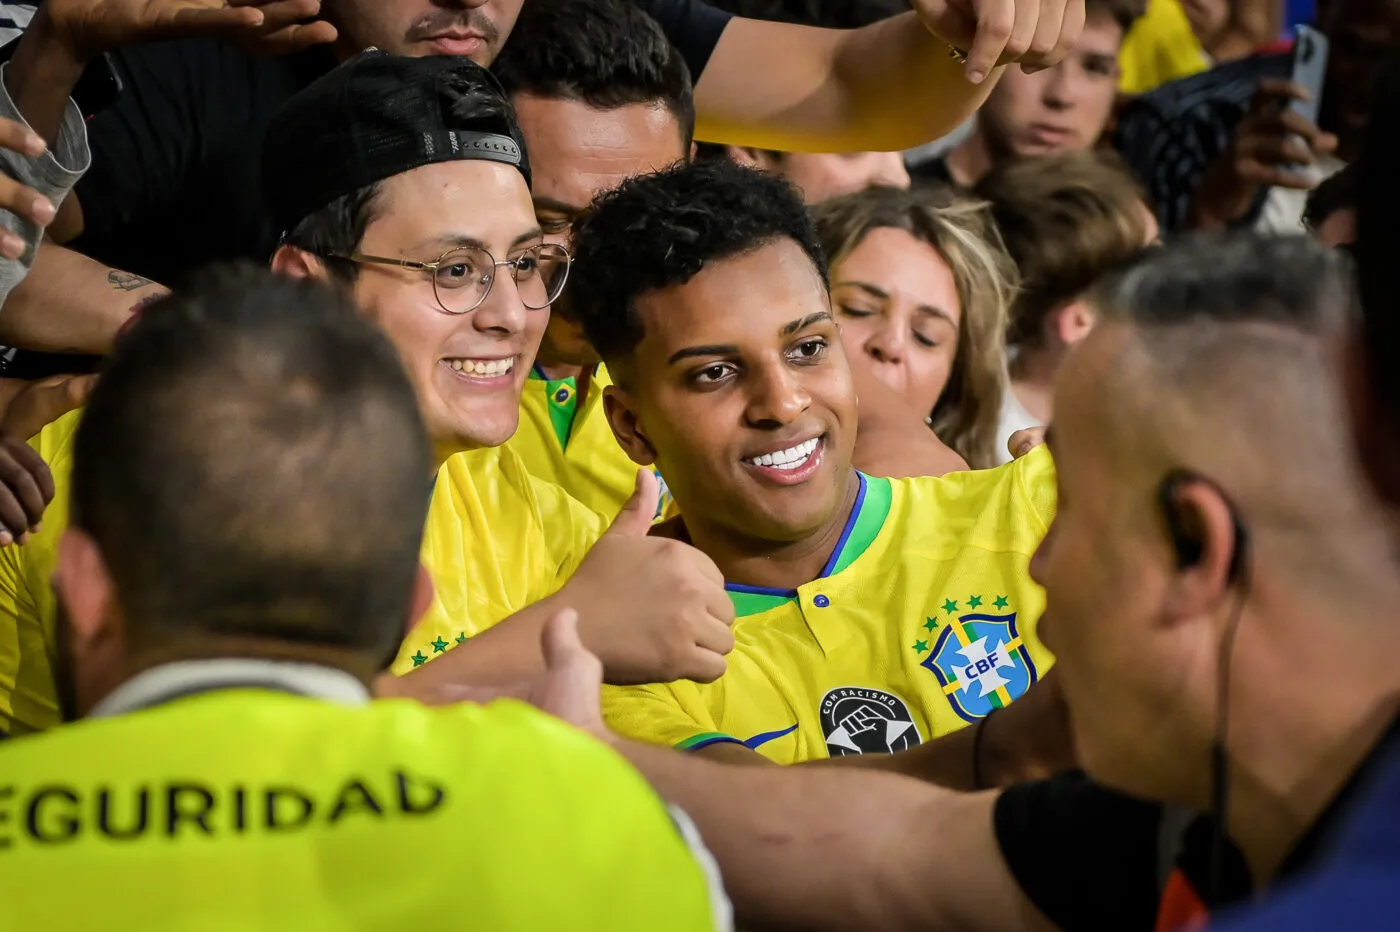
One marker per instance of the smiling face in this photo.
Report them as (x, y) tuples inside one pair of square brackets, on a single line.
[(476, 28), (900, 313), (1063, 108), (576, 153), (467, 369), (739, 391)]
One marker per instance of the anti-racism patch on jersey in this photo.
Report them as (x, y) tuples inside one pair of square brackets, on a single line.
[(856, 720)]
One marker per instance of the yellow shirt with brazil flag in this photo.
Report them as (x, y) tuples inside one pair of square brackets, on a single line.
[(572, 446), (924, 620), (249, 808), (496, 541)]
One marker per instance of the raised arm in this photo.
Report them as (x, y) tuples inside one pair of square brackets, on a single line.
[(888, 86)]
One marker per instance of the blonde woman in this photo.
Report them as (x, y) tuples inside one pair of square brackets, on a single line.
[(921, 285)]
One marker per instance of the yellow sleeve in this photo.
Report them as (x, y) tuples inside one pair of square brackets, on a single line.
[(658, 714), (570, 527), (1160, 47), (1035, 480)]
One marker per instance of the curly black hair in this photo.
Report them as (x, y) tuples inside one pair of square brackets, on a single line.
[(606, 53), (659, 230)]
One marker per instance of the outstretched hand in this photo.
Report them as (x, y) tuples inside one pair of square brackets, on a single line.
[(90, 27)]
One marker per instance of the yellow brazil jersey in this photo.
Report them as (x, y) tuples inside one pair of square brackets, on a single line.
[(1160, 47), (254, 809), (497, 540), (572, 446), (924, 620), (28, 700)]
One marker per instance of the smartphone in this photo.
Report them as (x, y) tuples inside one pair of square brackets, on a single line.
[(1310, 50)]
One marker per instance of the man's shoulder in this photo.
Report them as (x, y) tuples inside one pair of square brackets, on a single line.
[(1001, 495)]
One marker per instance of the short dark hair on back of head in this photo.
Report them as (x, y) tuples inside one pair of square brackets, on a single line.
[(1067, 221), (1336, 192), (605, 53), (1234, 278), (659, 230), (252, 464)]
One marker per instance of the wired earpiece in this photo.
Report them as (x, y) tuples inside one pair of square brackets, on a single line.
[(1188, 546)]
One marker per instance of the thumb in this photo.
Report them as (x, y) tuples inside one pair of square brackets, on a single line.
[(634, 520), (560, 641)]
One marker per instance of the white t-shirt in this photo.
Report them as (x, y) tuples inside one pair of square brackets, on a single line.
[(1283, 207), (1013, 417)]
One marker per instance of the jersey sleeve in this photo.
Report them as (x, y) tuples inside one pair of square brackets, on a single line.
[(1086, 856), (659, 714), (692, 26), (570, 527), (1035, 479)]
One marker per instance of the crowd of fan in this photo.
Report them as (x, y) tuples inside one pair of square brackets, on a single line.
[(450, 450)]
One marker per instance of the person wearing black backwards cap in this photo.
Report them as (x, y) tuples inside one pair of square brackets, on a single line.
[(176, 156), (406, 181), (223, 615)]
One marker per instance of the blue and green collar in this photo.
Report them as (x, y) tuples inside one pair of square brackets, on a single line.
[(862, 527)]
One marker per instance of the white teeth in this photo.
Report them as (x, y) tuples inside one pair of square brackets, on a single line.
[(487, 367), (791, 458)]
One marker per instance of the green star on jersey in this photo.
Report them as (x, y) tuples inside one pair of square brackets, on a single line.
[(950, 606), (920, 646), (419, 659), (439, 645), (1001, 602), (974, 601), (930, 623)]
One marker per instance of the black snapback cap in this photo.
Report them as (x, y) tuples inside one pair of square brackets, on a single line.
[(379, 115)]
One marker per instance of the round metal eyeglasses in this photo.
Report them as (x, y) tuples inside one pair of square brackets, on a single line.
[(462, 277)]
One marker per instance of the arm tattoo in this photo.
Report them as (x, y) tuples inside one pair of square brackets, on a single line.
[(126, 281)]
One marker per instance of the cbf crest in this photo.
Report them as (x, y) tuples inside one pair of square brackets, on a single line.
[(978, 655)]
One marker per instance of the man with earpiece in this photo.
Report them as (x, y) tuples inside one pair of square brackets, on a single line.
[(1218, 595)]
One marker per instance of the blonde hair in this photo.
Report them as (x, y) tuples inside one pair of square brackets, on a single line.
[(961, 229)]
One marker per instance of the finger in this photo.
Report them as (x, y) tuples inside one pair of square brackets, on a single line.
[(1275, 151), (1022, 30), (17, 137), (294, 38), (995, 20), (1298, 125), (713, 635), (1275, 176), (190, 23), (25, 202), (634, 520), (1273, 90), (719, 606), (704, 666), (562, 645), (1071, 27), (30, 460), (1044, 43), (14, 483)]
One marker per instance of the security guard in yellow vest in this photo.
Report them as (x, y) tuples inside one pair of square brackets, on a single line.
[(236, 568)]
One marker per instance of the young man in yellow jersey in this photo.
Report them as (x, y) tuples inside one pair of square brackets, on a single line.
[(417, 161), (874, 614), (235, 572), (601, 96)]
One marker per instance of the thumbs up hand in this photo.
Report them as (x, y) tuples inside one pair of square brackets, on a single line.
[(652, 610)]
